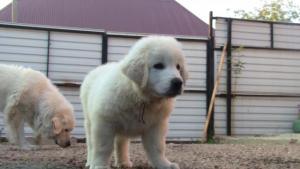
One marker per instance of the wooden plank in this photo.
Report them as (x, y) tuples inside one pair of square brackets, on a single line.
[(215, 89)]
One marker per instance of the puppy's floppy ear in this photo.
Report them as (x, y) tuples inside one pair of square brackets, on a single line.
[(136, 69), (56, 125)]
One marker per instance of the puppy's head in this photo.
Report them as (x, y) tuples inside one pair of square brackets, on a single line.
[(156, 64), (62, 124)]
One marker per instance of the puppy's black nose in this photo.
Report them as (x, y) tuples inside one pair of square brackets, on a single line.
[(67, 144), (176, 85)]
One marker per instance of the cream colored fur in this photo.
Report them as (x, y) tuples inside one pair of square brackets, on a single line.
[(130, 98), (27, 96)]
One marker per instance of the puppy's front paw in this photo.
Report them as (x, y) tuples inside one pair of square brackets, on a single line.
[(127, 164), (29, 147), (100, 167), (169, 166)]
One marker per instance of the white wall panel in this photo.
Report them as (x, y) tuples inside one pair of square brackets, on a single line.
[(24, 47), (264, 72), (119, 47), (220, 32), (244, 33), (188, 118), (73, 55), (261, 72), (257, 115), (287, 36), (196, 55)]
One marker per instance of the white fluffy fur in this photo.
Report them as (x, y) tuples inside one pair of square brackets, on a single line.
[(129, 98), (27, 96)]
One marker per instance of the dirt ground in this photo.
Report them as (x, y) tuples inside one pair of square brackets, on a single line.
[(188, 156)]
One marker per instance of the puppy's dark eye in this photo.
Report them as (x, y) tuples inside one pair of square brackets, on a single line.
[(67, 130), (178, 67), (159, 66)]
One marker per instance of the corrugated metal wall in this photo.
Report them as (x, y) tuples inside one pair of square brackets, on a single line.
[(265, 77), (265, 73), (73, 54), (26, 47)]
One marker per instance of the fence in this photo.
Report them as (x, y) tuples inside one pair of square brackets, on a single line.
[(260, 88), (67, 55)]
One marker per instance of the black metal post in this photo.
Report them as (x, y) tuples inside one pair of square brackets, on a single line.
[(104, 48), (210, 75), (272, 34), (229, 73), (48, 55)]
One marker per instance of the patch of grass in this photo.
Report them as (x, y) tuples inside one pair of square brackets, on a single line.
[(211, 141)]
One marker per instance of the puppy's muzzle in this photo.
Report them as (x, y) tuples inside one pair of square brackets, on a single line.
[(67, 144), (175, 87)]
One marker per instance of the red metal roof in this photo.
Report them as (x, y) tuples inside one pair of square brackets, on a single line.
[(139, 16)]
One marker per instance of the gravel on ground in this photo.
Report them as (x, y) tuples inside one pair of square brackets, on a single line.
[(188, 156)]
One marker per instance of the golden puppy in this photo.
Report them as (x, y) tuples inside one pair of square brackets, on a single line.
[(133, 98), (27, 96)]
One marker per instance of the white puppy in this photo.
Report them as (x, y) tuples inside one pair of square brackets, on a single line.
[(133, 98), (27, 96)]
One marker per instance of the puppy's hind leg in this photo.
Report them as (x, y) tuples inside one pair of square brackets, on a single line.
[(15, 124), (121, 152)]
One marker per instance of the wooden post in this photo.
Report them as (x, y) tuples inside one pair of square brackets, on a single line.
[(213, 97)]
